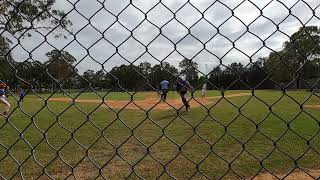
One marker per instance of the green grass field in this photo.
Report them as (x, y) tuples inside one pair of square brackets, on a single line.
[(87, 137)]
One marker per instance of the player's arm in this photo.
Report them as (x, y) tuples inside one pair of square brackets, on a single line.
[(190, 87)]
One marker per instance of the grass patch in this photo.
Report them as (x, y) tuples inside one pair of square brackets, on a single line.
[(269, 127)]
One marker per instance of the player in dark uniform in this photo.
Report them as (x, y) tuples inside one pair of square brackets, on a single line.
[(182, 88)]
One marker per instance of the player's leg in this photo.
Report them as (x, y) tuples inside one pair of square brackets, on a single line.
[(161, 94), (184, 99), (165, 94), (187, 102), (6, 106), (158, 92)]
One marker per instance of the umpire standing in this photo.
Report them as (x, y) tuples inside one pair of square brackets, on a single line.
[(164, 87)]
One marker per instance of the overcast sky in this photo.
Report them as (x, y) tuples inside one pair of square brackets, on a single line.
[(162, 49)]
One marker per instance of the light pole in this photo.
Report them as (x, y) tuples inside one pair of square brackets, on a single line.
[(206, 69)]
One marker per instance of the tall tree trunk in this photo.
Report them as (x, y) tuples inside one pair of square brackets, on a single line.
[(297, 76)]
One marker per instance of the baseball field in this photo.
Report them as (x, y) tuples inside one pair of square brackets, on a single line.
[(220, 137)]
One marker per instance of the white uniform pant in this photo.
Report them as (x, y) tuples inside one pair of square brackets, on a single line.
[(5, 103), (203, 92)]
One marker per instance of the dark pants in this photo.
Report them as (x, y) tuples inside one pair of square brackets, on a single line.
[(184, 99), (164, 94), (21, 98)]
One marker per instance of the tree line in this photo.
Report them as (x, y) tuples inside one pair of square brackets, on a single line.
[(298, 61)]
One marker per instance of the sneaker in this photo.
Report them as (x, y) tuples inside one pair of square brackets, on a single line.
[(5, 114), (188, 108)]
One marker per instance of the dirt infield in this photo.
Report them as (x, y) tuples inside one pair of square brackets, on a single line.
[(312, 106), (296, 175), (151, 102)]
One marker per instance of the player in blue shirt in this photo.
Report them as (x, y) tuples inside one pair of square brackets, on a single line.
[(21, 95), (164, 87)]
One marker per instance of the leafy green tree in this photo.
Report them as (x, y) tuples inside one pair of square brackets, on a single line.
[(6, 61), (60, 66), (299, 58), (189, 69), (89, 75), (145, 68), (87, 78), (21, 16), (126, 77), (160, 72), (100, 80)]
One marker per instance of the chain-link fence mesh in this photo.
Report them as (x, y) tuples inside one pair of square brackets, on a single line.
[(67, 122)]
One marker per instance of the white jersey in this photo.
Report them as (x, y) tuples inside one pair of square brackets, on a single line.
[(204, 87)]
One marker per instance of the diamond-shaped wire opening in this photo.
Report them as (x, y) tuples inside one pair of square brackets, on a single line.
[(108, 20), (145, 26), (245, 162), (244, 9), (9, 167), (237, 129), (279, 164), (188, 167), (266, 146), (85, 169), (214, 167), (196, 31), (116, 168), (197, 154), (132, 151), (153, 132), (276, 6), (228, 148), (116, 34), (148, 167), (123, 133), (129, 23), (214, 12), (160, 48), (159, 15), (185, 50), (188, 15)]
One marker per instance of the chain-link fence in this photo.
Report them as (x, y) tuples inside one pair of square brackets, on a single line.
[(87, 98)]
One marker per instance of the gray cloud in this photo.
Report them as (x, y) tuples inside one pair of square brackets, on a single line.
[(101, 50)]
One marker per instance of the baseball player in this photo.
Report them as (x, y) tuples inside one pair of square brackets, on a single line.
[(204, 90), (3, 89), (21, 95), (164, 87), (182, 88)]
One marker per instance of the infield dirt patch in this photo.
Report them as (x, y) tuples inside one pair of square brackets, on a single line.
[(312, 106), (151, 102), (296, 175)]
